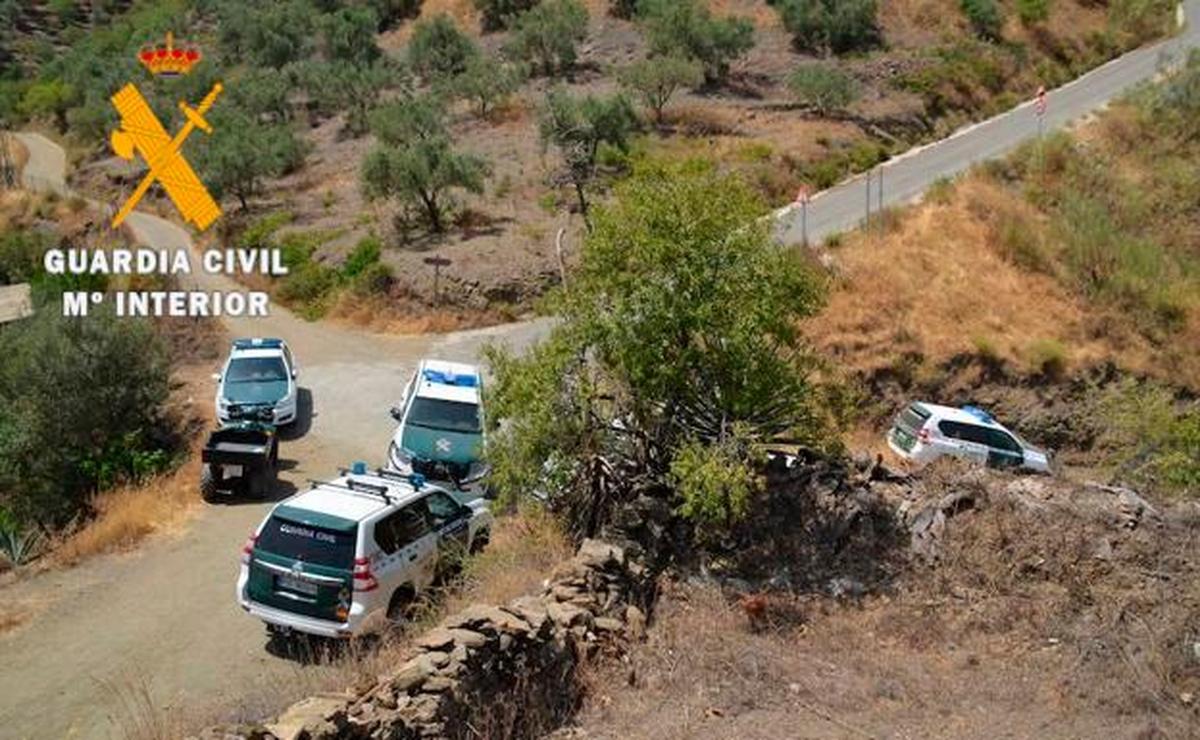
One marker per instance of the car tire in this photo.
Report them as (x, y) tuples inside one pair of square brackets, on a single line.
[(480, 543), (400, 606), (208, 483)]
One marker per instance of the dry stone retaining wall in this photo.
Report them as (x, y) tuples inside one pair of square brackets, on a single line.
[(487, 671)]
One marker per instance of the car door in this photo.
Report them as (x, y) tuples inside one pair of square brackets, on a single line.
[(965, 440), (408, 550), (452, 522), (1003, 450)]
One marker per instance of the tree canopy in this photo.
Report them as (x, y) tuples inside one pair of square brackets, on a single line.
[(676, 352)]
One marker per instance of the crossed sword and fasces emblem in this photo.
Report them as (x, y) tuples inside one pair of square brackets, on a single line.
[(143, 133)]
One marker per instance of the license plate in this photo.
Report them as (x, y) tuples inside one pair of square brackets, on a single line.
[(295, 584), (233, 471)]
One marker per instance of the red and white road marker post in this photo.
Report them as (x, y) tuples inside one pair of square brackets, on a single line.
[(1039, 109), (803, 198)]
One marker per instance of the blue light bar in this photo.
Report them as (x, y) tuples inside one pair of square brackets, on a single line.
[(258, 343), (979, 413), (446, 378)]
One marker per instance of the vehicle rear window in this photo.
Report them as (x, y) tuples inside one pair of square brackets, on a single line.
[(913, 418), (447, 416), (305, 542)]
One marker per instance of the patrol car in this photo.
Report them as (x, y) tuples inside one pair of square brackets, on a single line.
[(258, 372), (441, 423), (350, 554), (923, 432)]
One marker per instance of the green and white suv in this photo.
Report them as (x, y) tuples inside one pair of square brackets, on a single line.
[(352, 553)]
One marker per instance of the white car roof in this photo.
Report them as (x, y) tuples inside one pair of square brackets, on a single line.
[(951, 413), (336, 499), (435, 379)]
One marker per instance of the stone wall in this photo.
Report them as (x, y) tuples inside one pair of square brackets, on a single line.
[(488, 671)]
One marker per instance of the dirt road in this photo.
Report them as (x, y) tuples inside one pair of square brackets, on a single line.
[(165, 618)]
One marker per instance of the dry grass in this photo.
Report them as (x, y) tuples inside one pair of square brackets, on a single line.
[(1019, 626), (523, 550), (13, 616), (379, 314), (943, 283), (127, 515)]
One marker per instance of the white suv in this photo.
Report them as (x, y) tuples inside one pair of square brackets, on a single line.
[(259, 372), (924, 432), (349, 554)]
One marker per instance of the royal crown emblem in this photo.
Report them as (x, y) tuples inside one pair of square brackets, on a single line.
[(169, 60)]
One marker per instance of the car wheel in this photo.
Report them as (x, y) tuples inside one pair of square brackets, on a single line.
[(208, 483), (479, 543), (400, 607)]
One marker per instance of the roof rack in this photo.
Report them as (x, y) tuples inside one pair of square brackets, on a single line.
[(356, 486), (416, 480)]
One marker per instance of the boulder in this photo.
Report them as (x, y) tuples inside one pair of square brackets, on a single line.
[(314, 718)]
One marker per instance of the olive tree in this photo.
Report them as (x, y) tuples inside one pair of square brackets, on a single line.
[(546, 35), (688, 29), (578, 126), (822, 88), (676, 353), (415, 161), (247, 152), (440, 48), (656, 80)]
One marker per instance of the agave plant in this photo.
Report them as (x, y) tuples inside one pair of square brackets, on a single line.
[(18, 545)]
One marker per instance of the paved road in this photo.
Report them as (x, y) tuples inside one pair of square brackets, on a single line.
[(166, 615), (905, 178)]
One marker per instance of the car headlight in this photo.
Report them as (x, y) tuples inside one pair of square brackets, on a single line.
[(223, 404), (398, 455)]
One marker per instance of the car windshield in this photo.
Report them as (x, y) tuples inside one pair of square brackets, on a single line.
[(316, 545), (446, 416), (256, 370)]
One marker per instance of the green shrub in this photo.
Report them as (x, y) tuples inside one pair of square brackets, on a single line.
[(657, 79), (260, 233), (391, 12), (1048, 358), (831, 26), (18, 544), (1153, 438), (675, 357), (686, 28), (546, 35), (375, 279), (1032, 12), (82, 405), (496, 14), (365, 254), (487, 83), (439, 47), (985, 17), (822, 88)]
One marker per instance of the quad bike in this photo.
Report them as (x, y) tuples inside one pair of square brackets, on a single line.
[(242, 455)]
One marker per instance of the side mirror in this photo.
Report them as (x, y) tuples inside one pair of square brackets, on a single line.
[(295, 373), (477, 475), (397, 413), (216, 376)]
